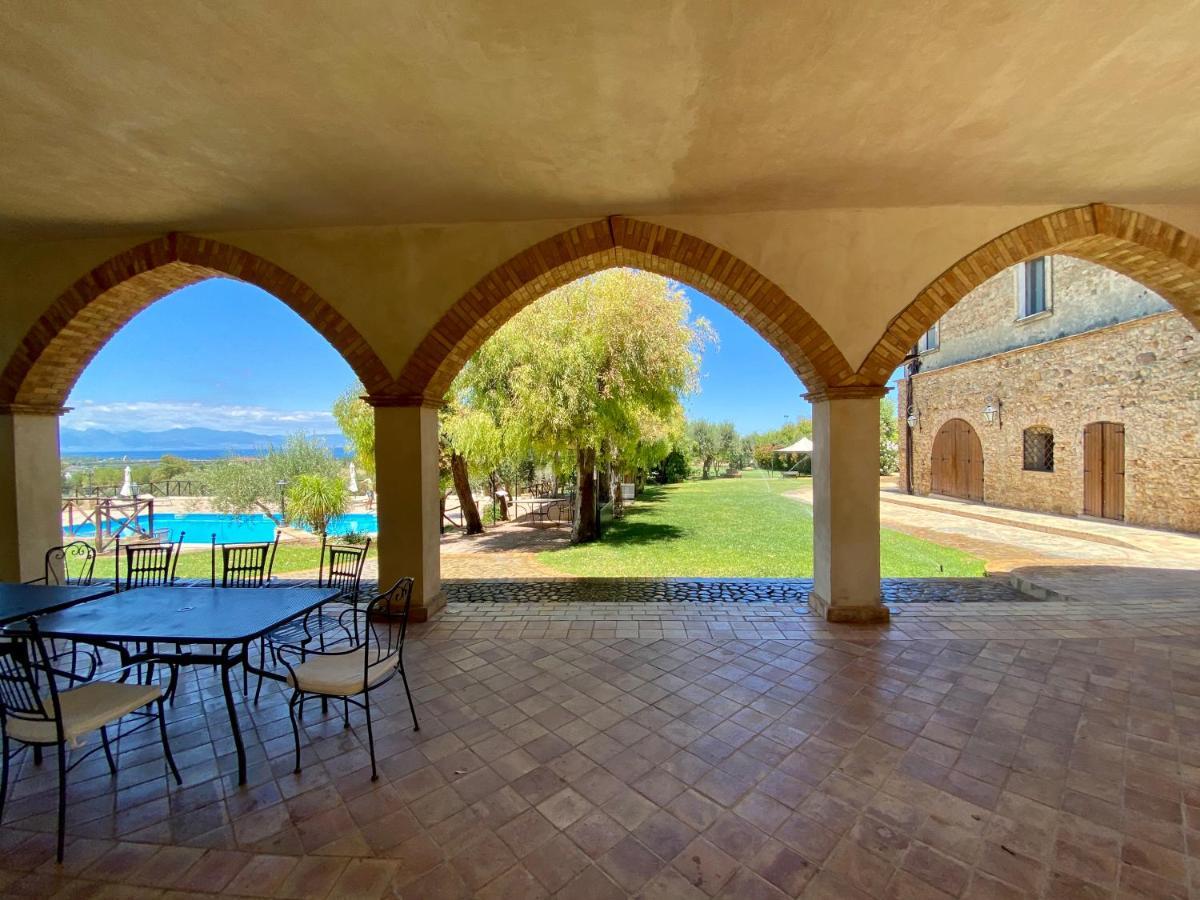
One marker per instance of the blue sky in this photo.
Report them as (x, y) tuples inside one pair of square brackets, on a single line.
[(226, 355)]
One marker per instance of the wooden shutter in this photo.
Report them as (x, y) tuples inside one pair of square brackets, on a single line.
[(1114, 470), (1093, 470)]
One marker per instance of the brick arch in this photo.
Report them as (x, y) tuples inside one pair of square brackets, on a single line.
[(1154, 253), (50, 358), (605, 244)]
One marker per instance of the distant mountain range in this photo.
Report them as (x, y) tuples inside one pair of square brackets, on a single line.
[(173, 440)]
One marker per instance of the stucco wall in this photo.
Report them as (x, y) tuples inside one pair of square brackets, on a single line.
[(1143, 373), (852, 269), (1082, 296)]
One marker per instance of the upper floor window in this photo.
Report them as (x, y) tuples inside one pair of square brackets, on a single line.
[(929, 340), (1033, 287), (1039, 449)]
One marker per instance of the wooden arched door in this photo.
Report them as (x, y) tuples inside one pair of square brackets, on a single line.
[(1104, 470), (958, 461)]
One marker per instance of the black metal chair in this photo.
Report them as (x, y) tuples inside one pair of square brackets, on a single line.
[(247, 565), (341, 567), (148, 564), (244, 564), (354, 668), (345, 566), (69, 564), (34, 712)]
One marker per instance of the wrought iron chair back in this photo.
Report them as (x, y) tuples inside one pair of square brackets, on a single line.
[(24, 667), (72, 563), (342, 566), (381, 646), (148, 564), (244, 564), (382, 638), (20, 694)]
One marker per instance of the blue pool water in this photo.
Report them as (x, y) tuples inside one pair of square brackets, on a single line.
[(198, 528)]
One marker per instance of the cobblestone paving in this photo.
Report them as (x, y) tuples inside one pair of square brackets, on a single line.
[(709, 590)]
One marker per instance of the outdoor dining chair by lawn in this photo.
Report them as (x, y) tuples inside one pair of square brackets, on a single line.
[(341, 567), (355, 667), (249, 565), (72, 563), (148, 564), (35, 713)]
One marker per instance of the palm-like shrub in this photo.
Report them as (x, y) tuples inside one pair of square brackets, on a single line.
[(314, 500)]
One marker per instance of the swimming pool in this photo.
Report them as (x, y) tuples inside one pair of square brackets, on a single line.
[(199, 528)]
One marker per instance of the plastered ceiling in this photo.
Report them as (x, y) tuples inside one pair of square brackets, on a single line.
[(134, 116)]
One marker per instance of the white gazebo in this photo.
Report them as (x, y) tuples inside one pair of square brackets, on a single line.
[(804, 445)]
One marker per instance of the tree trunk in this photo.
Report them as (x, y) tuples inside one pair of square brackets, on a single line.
[(586, 527), (605, 486), (462, 487)]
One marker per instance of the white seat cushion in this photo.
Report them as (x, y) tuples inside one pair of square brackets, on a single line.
[(85, 709), (341, 674)]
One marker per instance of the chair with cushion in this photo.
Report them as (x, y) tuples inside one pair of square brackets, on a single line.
[(357, 665), (36, 713), (341, 567)]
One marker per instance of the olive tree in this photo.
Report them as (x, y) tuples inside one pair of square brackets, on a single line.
[(600, 364), (244, 484)]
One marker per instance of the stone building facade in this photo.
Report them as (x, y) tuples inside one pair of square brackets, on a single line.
[(1103, 349)]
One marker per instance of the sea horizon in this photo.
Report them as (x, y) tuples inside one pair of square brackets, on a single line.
[(149, 455)]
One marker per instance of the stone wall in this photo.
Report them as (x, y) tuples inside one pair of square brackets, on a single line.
[(1143, 373), (1081, 295)]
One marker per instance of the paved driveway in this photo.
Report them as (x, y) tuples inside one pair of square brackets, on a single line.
[(1048, 556)]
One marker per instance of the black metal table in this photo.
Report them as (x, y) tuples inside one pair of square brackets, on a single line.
[(20, 601), (229, 618)]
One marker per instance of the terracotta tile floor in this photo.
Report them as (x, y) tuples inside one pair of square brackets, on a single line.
[(678, 751)]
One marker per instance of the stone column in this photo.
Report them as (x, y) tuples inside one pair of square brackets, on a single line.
[(30, 489), (846, 505), (406, 481)]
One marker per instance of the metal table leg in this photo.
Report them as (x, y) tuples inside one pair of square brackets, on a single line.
[(228, 660)]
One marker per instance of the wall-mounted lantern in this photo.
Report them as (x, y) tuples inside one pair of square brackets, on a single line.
[(991, 410), (914, 418)]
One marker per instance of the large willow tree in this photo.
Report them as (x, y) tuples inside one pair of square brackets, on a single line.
[(594, 371), (597, 369)]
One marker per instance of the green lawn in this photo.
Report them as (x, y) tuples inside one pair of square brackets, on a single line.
[(734, 527), (196, 564)]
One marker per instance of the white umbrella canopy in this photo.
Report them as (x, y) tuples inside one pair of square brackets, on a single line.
[(804, 445), (353, 479)]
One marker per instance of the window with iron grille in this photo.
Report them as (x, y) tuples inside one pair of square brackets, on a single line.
[(1039, 449)]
